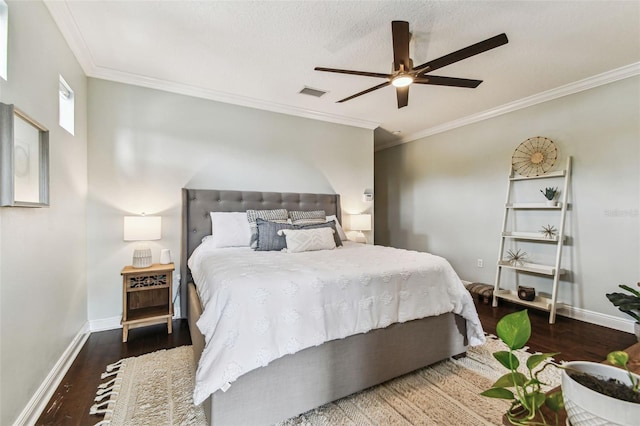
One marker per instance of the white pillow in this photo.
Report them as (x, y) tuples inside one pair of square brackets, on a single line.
[(299, 240), (333, 217), (230, 229)]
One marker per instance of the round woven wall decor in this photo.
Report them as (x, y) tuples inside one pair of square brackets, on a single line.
[(534, 157)]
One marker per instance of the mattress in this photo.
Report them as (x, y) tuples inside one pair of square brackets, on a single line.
[(260, 306)]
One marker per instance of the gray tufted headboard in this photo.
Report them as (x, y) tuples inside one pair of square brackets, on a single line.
[(198, 203)]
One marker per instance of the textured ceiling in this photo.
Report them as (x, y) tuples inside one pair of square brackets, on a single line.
[(261, 54)]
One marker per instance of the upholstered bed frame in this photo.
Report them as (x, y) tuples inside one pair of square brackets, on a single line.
[(299, 382)]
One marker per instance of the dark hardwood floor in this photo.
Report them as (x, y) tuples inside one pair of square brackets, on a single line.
[(73, 398)]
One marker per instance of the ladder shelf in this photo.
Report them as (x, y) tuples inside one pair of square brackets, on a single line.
[(547, 303)]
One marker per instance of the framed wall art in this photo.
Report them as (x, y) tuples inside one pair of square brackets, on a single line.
[(24, 160)]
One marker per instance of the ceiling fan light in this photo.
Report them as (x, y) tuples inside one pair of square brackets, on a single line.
[(402, 80)]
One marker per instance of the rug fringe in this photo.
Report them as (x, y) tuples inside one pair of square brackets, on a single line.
[(107, 392)]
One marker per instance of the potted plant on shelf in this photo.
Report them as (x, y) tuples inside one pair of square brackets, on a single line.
[(524, 390), (550, 194), (629, 304)]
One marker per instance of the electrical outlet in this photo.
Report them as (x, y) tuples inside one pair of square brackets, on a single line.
[(480, 263)]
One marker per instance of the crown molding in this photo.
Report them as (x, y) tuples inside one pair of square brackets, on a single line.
[(63, 17), (228, 98), (69, 28), (568, 89)]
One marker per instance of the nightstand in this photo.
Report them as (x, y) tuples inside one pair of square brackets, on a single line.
[(146, 296)]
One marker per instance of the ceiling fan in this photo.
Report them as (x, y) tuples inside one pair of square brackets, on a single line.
[(404, 73)]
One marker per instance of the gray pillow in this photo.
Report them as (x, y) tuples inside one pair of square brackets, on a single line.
[(268, 238), (330, 224), (277, 215)]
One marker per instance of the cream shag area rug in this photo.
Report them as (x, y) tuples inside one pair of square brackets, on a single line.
[(155, 389)]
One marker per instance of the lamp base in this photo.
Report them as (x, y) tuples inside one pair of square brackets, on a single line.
[(142, 257), (357, 236)]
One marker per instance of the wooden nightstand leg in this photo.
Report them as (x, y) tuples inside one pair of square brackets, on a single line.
[(125, 333), (169, 325)]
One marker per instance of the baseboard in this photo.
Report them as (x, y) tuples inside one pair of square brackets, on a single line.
[(103, 324), (597, 318), (41, 397)]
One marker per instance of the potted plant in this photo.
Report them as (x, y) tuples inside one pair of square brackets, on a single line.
[(629, 304), (524, 390), (550, 194), (584, 405), (600, 394)]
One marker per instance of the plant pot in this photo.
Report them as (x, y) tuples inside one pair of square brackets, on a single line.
[(587, 407), (636, 328), (552, 203)]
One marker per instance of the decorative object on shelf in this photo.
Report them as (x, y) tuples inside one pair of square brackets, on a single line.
[(142, 229), (526, 293), (534, 157), (550, 193), (24, 160), (549, 231), (629, 304), (516, 258), (165, 256), (359, 223)]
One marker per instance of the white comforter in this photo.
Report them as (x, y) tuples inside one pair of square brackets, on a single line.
[(260, 306)]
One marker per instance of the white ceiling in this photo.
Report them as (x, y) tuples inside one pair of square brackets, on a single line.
[(261, 54)]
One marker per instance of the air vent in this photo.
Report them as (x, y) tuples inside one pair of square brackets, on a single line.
[(312, 92)]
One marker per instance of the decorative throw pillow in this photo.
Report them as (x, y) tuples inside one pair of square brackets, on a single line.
[(299, 240), (268, 238), (341, 232), (307, 218), (277, 215), (331, 225), (230, 229)]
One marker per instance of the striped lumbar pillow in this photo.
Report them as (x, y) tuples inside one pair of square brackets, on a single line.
[(307, 218)]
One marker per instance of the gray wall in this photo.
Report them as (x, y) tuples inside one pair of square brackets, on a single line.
[(145, 145), (445, 194), (43, 294)]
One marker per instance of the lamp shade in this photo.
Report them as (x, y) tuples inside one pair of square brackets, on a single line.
[(142, 228), (360, 222)]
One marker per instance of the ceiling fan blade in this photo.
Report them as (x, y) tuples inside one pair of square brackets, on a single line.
[(400, 35), (447, 81), (364, 92), (363, 73), (461, 54), (403, 96)]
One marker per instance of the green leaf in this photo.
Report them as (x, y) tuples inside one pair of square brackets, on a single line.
[(629, 289), (619, 358), (534, 360), (555, 401), (510, 380), (514, 329), (500, 393), (534, 400), (507, 359)]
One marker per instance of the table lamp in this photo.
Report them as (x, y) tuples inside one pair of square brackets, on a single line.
[(141, 229), (359, 223)]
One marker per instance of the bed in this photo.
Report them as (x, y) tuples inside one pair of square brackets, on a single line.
[(297, 382)]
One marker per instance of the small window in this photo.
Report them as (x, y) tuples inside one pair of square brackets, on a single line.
[(4, 33), (67, 106)]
